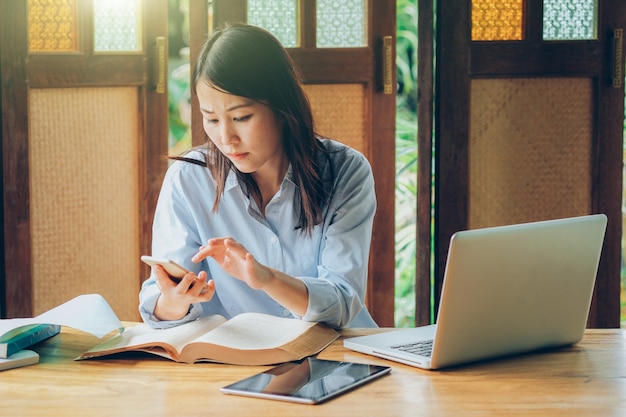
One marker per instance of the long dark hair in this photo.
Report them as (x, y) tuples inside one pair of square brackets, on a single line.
[(250, 62)]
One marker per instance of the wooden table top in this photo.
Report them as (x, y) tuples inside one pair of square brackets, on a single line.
[(588, 379)]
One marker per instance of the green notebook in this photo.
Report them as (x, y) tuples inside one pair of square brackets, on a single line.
[(25, 336)]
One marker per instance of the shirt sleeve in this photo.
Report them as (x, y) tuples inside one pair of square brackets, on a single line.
[(174, 237), (337, 294)]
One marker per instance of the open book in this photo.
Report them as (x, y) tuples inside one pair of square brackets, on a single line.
[(246, 339)]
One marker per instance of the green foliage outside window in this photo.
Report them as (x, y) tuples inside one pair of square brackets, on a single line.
[(406, 163)]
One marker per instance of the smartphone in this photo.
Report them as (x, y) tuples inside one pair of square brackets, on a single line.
[(175, 271)]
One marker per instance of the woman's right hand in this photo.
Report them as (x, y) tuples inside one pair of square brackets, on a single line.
[(175, 299)]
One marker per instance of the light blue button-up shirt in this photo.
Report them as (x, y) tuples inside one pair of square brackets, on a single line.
[(332, 262)]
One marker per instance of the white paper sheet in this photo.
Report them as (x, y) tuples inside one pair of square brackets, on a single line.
[(89, 313)]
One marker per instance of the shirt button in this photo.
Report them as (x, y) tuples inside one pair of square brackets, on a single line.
[(286, 313), (273, 239)]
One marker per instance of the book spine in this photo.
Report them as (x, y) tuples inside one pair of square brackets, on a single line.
[(28, 338)]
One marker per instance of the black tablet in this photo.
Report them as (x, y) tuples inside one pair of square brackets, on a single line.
[(308, 381)]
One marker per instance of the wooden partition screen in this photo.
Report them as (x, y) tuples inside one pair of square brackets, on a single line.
[(339, 112), (529, 150), (84, 182)]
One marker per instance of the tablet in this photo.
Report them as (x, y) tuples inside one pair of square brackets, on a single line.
[(308, 381)]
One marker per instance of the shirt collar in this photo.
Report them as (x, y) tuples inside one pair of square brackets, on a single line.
[(232, 181)]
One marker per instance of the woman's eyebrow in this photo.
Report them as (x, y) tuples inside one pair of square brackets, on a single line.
[(231, 108), (240, 105)]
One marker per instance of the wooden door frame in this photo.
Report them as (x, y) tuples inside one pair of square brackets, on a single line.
[(20, 71), (329, 66), (14, 108), (607, 176), (458, 61)]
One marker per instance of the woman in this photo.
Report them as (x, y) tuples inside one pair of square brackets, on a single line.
[(268, 217)]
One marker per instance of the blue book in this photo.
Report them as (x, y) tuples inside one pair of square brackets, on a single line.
[(25, 336)]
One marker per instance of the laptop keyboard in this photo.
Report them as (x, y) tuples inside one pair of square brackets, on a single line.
[(421, 348)]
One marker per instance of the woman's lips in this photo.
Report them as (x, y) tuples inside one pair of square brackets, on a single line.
[(237, 156)]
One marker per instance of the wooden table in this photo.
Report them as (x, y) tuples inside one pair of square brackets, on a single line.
[(586, 380)]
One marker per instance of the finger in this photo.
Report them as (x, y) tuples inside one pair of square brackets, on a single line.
[(162, 278), (208, 291), (250, 265), (203, 252), (212, 248), (199, 288), (250, 262), (231, 243), (186, 283), (218, 242), (236, 250), (199, 285)]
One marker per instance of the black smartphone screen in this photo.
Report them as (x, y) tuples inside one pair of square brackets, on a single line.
[(309, 380)]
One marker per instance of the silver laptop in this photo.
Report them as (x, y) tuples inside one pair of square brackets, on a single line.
[(507, 290)]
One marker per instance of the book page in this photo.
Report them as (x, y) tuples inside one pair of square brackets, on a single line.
[(142, 336), (89, 313), (255, 331), (260, 339)]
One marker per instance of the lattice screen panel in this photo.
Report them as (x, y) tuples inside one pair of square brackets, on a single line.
[(339, 112), (530, 150), (52, 26), (84, 188)]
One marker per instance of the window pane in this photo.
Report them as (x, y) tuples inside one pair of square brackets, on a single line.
[(340, 24), (497, 20), (117, 25), (278, 16), (569, 19), (52, 26)]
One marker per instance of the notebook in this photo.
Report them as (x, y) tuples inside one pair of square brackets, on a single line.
[(507, 290)]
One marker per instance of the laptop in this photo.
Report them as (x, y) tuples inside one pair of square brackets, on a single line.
[(507, 290)]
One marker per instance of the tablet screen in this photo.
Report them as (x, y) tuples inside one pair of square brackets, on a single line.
[(309, 380)]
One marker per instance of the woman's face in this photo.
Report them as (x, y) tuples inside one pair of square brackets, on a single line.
[(245, 131)]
